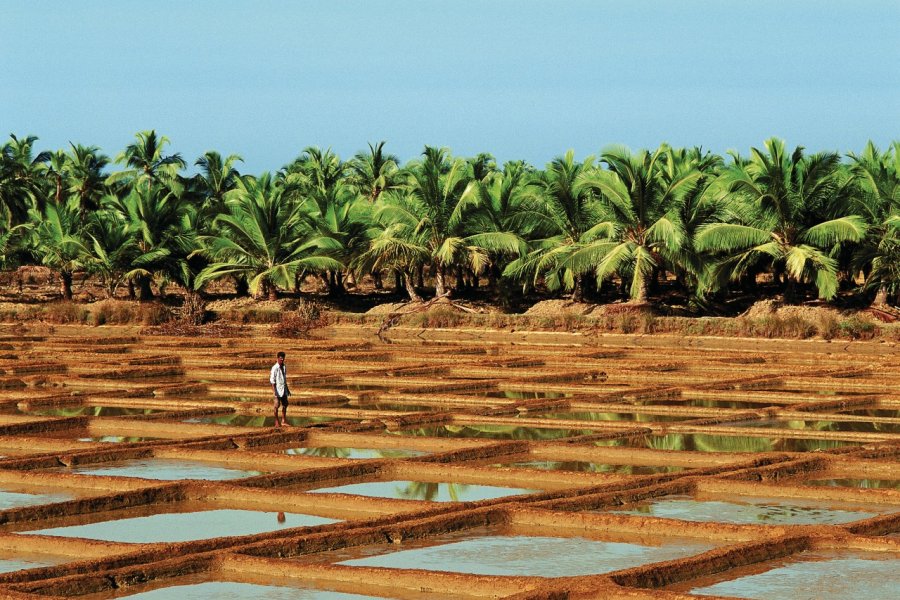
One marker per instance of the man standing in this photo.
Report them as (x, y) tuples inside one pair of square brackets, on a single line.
[(278, 379)]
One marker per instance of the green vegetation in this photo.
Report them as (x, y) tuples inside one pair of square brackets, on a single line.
[(628, 226)]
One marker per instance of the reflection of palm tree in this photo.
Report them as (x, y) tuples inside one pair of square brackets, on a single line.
[(326, 452), (425, 490)]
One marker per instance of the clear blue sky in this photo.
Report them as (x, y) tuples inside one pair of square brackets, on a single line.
[(517, 78)]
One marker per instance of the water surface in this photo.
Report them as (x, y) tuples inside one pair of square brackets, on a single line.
[(421, 490), (761, 512), (185, 526), (355, 453), (164, 469), (820, 576), (225, 590), (15, 499), (525, 555)]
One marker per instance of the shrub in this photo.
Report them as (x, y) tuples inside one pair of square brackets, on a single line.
[(828, 326), (65, 312), (857, 328), (299, 323)]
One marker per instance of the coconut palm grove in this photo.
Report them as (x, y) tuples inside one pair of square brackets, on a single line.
[(622, 226)]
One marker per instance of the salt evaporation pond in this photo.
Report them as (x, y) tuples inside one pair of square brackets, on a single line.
[(761, 512), (16, 499), (226, 590), (163, 469), (423, 490), (824, 576), (185, 526), (530, 556), (355, 453)]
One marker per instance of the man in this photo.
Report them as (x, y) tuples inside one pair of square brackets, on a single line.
[(278, 379)]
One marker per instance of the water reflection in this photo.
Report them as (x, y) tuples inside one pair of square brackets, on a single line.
[(756, 513), (530, 556), (163, 469), (493, 432), (185, 526), (726, 443), (238, 420), (857, 483), (607, 416), (581, 466), (841, 426), (354, 453), (91, 411), (225, 590), (823, 576), (425, 490)]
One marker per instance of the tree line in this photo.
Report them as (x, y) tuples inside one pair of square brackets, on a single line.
[(620, 224)]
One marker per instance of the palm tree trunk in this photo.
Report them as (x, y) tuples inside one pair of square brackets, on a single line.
[(643, 290), (131, 293), (66, 287), (241, 287), (410, 288), (440, 284), (578, 290), (398, 281), (376, 279), (881, 297), (145, 292)]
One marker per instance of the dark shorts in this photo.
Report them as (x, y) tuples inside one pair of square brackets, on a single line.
[(282, 400)]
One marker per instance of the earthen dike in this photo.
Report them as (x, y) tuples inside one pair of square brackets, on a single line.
[(702, 418)]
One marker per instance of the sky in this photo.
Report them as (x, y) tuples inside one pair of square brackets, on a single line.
[(520, 79)]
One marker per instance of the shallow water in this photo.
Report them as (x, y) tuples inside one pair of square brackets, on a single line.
[(524, 555), (163, 469), (726, 443), (856, 483), (355, 453), (226, 590), (419, 490), (93, 411), (704, 403), (492, 432), (181, 527), (119, 439), (14, 499), (875, 413), (814, 575), (763, 512), (238, 420), (517, 395), (619, 417), (9, 565), (581, 466), (843, 426)]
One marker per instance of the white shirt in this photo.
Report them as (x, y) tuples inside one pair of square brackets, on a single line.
[(278, 378)]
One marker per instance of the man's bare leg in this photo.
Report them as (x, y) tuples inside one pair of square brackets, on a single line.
[(277, 420), (284, 416)]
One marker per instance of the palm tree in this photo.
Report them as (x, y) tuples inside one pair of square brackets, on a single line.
[(643, 197), (877, 179), (374, 172), (84, 170), (564, 223), (57, 240), (111, 248), (431, 214), (20, 179), (146, 162), (265, 238), (504, 202), (217, 177), (783, 203), (155, 219)]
